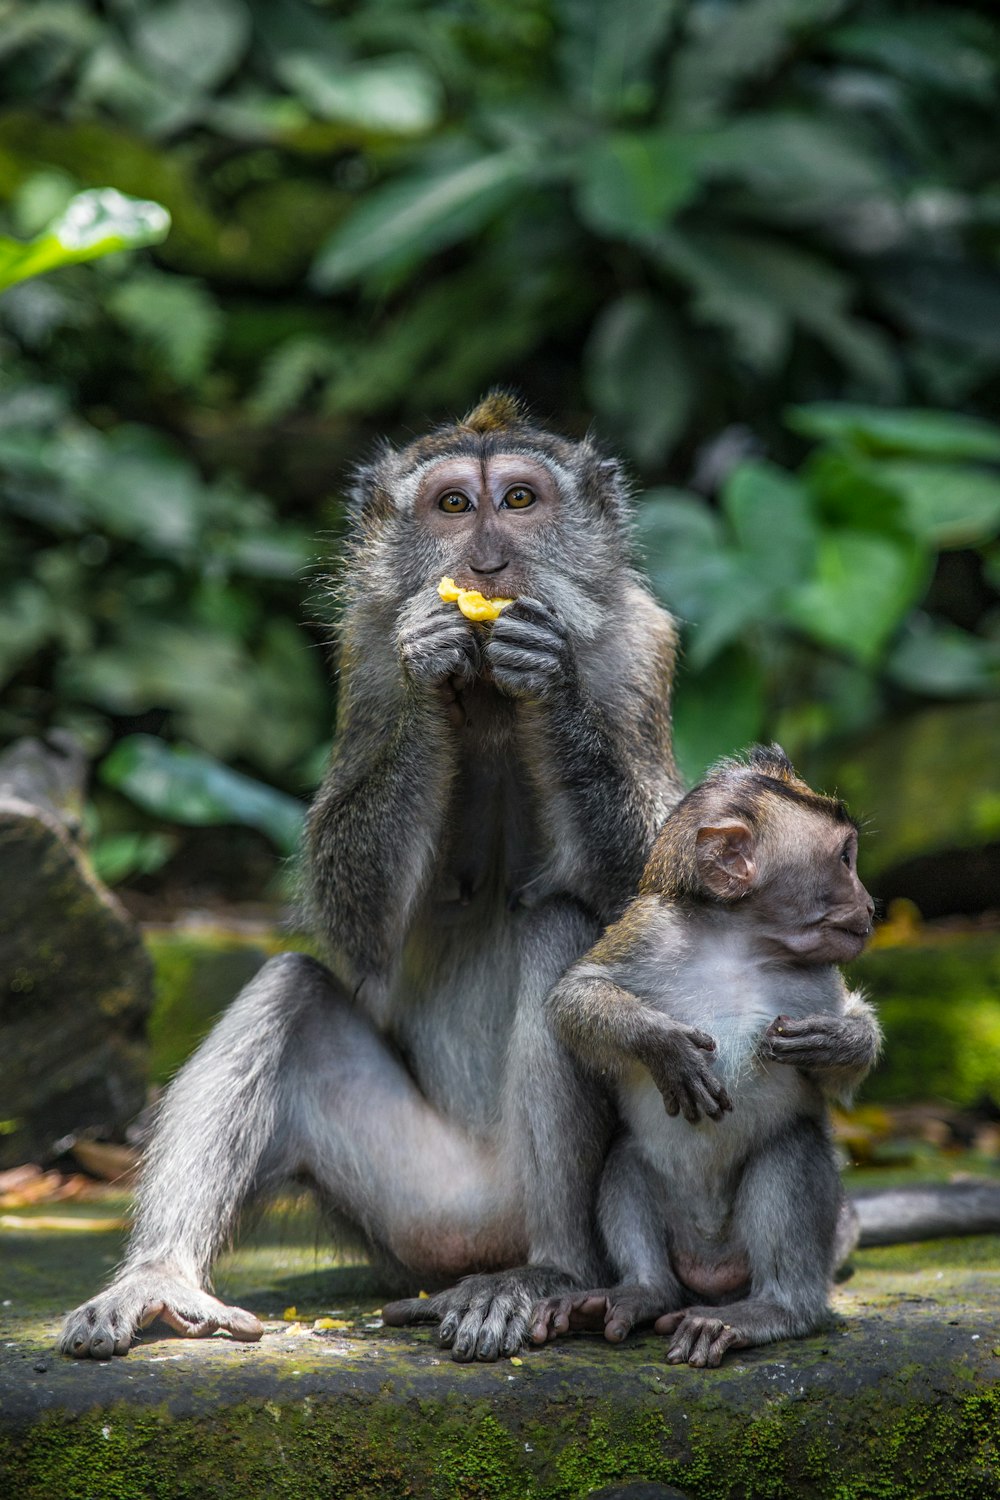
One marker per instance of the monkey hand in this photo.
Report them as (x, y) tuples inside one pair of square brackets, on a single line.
[(109, 1323), (700, 1336), (822, 1042), (529, 652), (615, 1311), (436, 645), (679, 1058), (483, 1317)]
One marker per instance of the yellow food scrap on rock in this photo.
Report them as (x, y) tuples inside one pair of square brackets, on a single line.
[(473, 604), (331, 1323), (290, 1314)]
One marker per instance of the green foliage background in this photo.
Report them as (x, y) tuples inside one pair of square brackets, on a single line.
[(756, 240)]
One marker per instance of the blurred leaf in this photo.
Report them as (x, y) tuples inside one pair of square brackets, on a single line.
[(95, 223), (948, 49), (717, 712), (27, 621), (181, 321), (415, 216), (936, 434), (638, 377), (191, 45), (608, 52), (397, 95), (117, 856), (848, 489), (770, 514), (808, 162), (185, 786), (948, 297), (938, 659), (288, 374), (863, 586), (631, 184), (946, 506)]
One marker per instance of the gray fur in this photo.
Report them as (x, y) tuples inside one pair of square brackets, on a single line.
[(476, 827)]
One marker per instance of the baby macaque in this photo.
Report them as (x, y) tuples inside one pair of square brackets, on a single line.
[(715, 1005)]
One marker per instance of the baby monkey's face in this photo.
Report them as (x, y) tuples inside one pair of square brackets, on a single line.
[(815, 890), (490, 519)]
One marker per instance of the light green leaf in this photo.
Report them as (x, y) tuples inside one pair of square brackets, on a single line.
[(395, 95), (412, 218), (186, 786), (937, 658), (945, 505), (771, 516), (191, 45), (954, 53), (608, 53), (95, 223), (638, 377), (179, 318), (116, 856), (934, 434), (863, 587), (810, 164), (717, 712), (28, 619), (631, 184)]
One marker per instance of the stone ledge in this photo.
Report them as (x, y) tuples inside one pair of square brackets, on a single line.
[(899, 1398)]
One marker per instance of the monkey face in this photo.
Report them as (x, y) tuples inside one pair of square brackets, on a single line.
[(489, 518), (815, 895)]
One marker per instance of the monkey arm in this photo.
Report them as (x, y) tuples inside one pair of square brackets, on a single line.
[(597, 735), (609, 1027), (837, 1051)]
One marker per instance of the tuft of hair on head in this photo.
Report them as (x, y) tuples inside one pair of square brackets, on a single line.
[(771, 760), (498, 410)]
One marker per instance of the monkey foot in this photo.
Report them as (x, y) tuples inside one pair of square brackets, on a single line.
[(700, 1336), (109, 1323), (483, 1317), (614, 1311)]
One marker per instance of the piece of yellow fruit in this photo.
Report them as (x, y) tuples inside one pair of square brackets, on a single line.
[(290, 1314), (331, 1323), (473, 604)]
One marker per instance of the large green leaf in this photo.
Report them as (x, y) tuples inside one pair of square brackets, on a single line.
[(608, 53), (631, 184), (717, 712), (942, 661), (948, 48), (397, 95), (771, 516), (414, 217), (182, 785), (934, 434), (946, 505), (190, 45), (638, 377), (177, 318), (95, 223), (808, 163), (863, 587)]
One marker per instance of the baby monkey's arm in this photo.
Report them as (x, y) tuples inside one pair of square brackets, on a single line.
[(606, 1024), (837, 1050)]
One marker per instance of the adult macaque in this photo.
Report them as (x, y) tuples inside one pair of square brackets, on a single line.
[(492, 796), (716, 1004)]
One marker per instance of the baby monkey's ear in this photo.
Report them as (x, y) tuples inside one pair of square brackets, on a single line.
[(725, 857)]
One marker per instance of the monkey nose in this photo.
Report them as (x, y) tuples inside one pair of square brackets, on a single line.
[(488, 567)]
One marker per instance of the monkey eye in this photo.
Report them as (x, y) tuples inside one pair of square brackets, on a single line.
[(845, 855), (519, 497), (454, 502)]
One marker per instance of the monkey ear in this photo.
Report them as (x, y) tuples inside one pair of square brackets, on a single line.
[(725, 858)]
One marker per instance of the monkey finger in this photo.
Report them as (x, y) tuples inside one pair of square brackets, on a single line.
[(550, 1318), (534, 611), (700, 1039), (411, 1310), (727, 1339), (670, 1322), (709, 1329)]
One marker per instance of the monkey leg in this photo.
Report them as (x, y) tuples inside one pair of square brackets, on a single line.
[(292, 1080), (632, 1214), (554, 1138), (786, 1217)]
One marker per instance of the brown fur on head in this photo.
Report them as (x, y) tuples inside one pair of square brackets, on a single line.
[(735, 792)]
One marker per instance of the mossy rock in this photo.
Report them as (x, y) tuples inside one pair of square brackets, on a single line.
[(75, 990), (898, 1398)]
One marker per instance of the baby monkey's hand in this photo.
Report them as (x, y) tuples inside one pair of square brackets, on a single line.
[(679, 1058)]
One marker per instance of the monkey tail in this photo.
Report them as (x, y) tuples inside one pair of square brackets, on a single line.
[(895, 1216)]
